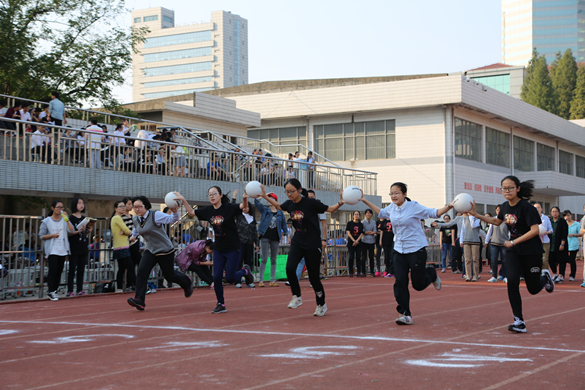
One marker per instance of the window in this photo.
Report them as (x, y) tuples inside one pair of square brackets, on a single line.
[(156, 95), (565, 162), (137, 20), (545, 158), (178, 39), (283, 136), (178, 82), (580, 166), (151, 18), (500, 83), (468, 140), (497, 148), (177, 69), (361, 140), (523, 154), (177, 54), (167, 19)]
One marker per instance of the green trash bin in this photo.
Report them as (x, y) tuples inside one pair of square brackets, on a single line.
[(280, 268)]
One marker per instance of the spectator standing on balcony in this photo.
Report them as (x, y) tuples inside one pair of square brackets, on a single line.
[(94, 139), (25, 115), (44, 113), (121, 247), (57, 110), (3, 108), (12, 113), (53, 232), (119, 143), (178, 153), (310, 170), (272, 227), (161, 161), (355, 232), (40, 143), (79, 245)]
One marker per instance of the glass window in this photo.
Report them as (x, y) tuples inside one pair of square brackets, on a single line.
[(565, 162), (545, 158), (177, 69), (151, 18), (178, 39), (137, 20), (523, 154), (155, 95), (580, 165), (178, 82), (497, 146), (500, 83), (292, 136), (468, 140), (177, 54), (167, 19)]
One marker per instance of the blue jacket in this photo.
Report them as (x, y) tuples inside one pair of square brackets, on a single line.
[(266, 216)]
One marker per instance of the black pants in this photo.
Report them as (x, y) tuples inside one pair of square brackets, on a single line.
[(313, 262), (557, 258), (570, 258), (76, 265), (166, 263), (135, 254), (354, 253), (388, 261), (56, 264), (203, 271), (530, 266), (378, 253), (421, 276), (368, 252), (456, 257), (44, 151), (125, 265), (246, 254)]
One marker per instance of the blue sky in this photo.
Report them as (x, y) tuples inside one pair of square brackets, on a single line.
[(302, 39)]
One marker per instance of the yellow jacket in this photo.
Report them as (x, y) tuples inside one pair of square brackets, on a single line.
[(120, 240)]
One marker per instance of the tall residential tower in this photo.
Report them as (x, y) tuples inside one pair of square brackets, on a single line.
[(198, 57), (550, 26)]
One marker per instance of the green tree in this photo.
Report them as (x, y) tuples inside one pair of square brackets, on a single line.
[(564, 79), (578, 102), (537, 88), (75, 47)]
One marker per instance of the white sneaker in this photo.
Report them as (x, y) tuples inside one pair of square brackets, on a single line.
[(437, 283), (320, 310), (53, 296), (492, 280), (404, 320), (295, 302), (506, 280), (571, 279), (550, 284), (555, 278), (239, 285)]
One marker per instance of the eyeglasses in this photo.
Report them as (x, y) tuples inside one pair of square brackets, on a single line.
[(290, 192), (508, 189), (138, 207), (212, 195), (395, 193)]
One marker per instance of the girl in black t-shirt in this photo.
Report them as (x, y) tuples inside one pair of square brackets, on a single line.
[(306, 242), (354, 232), (79, 244), (387, 243), (226, 251), (524, 250)]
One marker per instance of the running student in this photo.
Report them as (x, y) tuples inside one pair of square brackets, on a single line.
[(524, 249), (306, 242), (410, 244), (158, 248), (221, 215), (193, 258)]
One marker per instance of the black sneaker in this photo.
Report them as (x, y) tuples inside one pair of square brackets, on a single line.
[(136, 303), (220, 308), (249, 276), (518, 326), (189, 290), (550, 284)]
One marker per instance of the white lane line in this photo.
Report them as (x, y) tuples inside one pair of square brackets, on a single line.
[(264, 333)]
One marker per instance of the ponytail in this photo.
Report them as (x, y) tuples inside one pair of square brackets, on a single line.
[(224, 199), (526, 187)]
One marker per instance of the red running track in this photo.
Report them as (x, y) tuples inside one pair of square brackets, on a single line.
[(459, 340)]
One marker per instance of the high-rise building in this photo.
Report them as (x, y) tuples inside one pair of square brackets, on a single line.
[(183, 59), (549, 26)]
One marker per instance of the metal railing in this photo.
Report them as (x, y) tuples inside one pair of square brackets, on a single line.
[(57, 145)]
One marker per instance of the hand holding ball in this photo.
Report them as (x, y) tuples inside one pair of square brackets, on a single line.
[(171, 202), (254, 189), (352, 195), (462, 202)]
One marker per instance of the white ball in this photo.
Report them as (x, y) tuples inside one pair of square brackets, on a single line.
[(253, 189), (352, 195), (462, 202), (171, 202), (541, 230)]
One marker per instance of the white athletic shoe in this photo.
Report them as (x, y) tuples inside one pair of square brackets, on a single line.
[(571, 279), (492, 280), (506, 280), (295, 302), (239, 285), (53, 296), (550, 284), (404, 320), (437, 283), (320, 310)]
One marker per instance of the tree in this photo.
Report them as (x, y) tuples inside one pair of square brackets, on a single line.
[(74, 47), (564, 79), (578, 102), (537, 88)]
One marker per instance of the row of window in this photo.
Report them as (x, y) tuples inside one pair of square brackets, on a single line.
[(178, 82), (468, 145), (178, 39), (178, 54), (499, 83), (282, 136), (155, 95), (177, 69)]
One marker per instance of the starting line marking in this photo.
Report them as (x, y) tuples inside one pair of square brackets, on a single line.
[(313, 352), (77, 339), (467, 360), (263, 333)]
